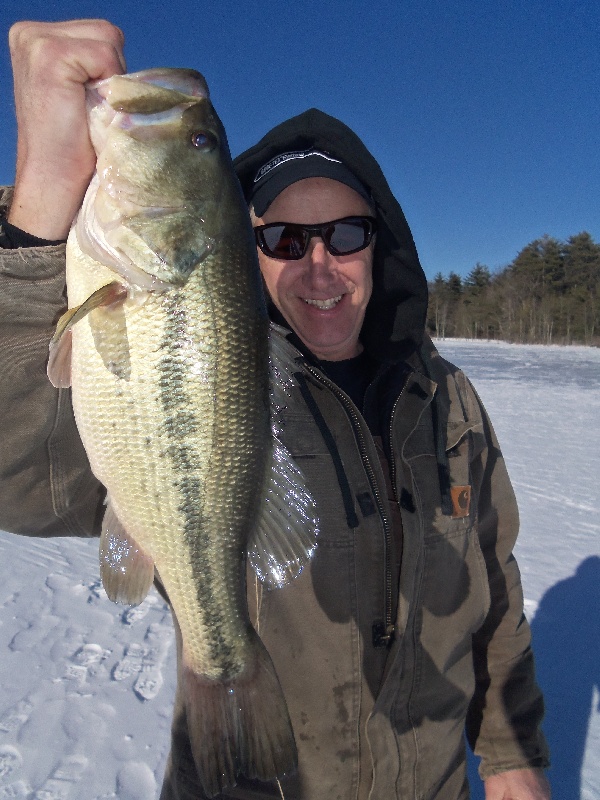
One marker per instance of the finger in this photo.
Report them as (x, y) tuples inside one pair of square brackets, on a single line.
[(100, 29), (49, 44), (96, 29)]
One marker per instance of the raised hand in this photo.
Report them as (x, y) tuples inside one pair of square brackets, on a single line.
[(52, 61)]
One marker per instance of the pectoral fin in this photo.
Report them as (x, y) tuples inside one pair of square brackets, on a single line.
[(127, 572), (283, 363), (286, 536), (59, 360)]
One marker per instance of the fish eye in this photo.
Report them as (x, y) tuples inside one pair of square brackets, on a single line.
[(203, 140)]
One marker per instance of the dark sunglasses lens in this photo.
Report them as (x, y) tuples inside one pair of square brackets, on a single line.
[(348, 236), (285, 241), (289, 241)]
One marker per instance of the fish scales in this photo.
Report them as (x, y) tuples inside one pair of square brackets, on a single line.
[(199, 450), (165, 345)]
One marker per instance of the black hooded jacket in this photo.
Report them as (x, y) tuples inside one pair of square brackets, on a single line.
[(447, 600), (394, 325)]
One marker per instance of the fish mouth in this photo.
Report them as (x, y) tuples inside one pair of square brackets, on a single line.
[(140, 99), (187, 82), (323, 305)]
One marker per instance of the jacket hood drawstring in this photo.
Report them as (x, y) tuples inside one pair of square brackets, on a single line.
[(329, 439), (440, 427)]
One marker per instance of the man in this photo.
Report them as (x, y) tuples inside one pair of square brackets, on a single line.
[(408, 623)]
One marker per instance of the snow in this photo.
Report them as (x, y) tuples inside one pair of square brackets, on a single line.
[(86, 687)]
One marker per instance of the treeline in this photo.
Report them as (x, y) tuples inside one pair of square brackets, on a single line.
[(550, 294)]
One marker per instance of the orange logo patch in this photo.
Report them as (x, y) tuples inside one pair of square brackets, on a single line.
[(461, 501)]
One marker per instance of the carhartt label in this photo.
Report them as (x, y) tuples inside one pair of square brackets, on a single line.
[(461, 501)]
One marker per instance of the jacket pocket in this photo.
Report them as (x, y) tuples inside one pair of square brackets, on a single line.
[(455, 590), (453, 603)]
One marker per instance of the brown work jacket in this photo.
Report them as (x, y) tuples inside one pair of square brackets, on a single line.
[(406, 627)]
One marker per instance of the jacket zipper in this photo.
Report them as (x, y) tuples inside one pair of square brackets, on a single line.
[(391, 449), (382, 634)]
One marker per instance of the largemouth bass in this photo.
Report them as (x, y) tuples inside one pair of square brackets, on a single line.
[(166, 347)]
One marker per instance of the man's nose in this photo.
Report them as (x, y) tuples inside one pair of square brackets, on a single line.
[(320, 261)]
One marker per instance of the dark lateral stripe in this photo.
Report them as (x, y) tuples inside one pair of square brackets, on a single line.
[(180, 422)]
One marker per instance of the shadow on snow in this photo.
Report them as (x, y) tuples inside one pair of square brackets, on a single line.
[(566, 643)]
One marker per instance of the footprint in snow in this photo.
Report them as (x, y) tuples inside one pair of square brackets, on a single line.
[(66, 774), (145, 661), (149, 682), (131, 663), (10, 760), (85, 663), (20, 790), (71, 769), (137, 613), (16, 717)]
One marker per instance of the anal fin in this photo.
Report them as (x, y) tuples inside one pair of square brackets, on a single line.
[(127, 571)]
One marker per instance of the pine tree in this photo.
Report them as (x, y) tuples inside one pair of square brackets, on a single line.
[(549, 293)]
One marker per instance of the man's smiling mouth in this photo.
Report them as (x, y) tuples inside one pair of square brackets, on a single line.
[(324, 304)]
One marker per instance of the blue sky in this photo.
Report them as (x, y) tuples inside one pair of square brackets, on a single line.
[(484, 115)]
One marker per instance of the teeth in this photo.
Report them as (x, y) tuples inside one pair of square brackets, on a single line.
[(325, 304)]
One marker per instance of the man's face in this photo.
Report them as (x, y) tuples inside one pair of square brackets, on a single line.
[(323, 297)]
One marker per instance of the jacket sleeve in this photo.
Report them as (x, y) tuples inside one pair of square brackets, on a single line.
[(46, 485), (503, 723)]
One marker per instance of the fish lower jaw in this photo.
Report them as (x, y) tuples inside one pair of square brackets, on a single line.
[(324, 305)]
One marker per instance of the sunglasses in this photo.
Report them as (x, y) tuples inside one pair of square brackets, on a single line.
[(289, 241)]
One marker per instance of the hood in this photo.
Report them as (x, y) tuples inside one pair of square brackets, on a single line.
[(394, 323)]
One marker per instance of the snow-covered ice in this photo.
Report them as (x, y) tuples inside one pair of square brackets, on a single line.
[(86, 687)]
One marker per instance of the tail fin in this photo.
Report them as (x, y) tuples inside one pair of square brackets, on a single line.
[(240, 726)]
